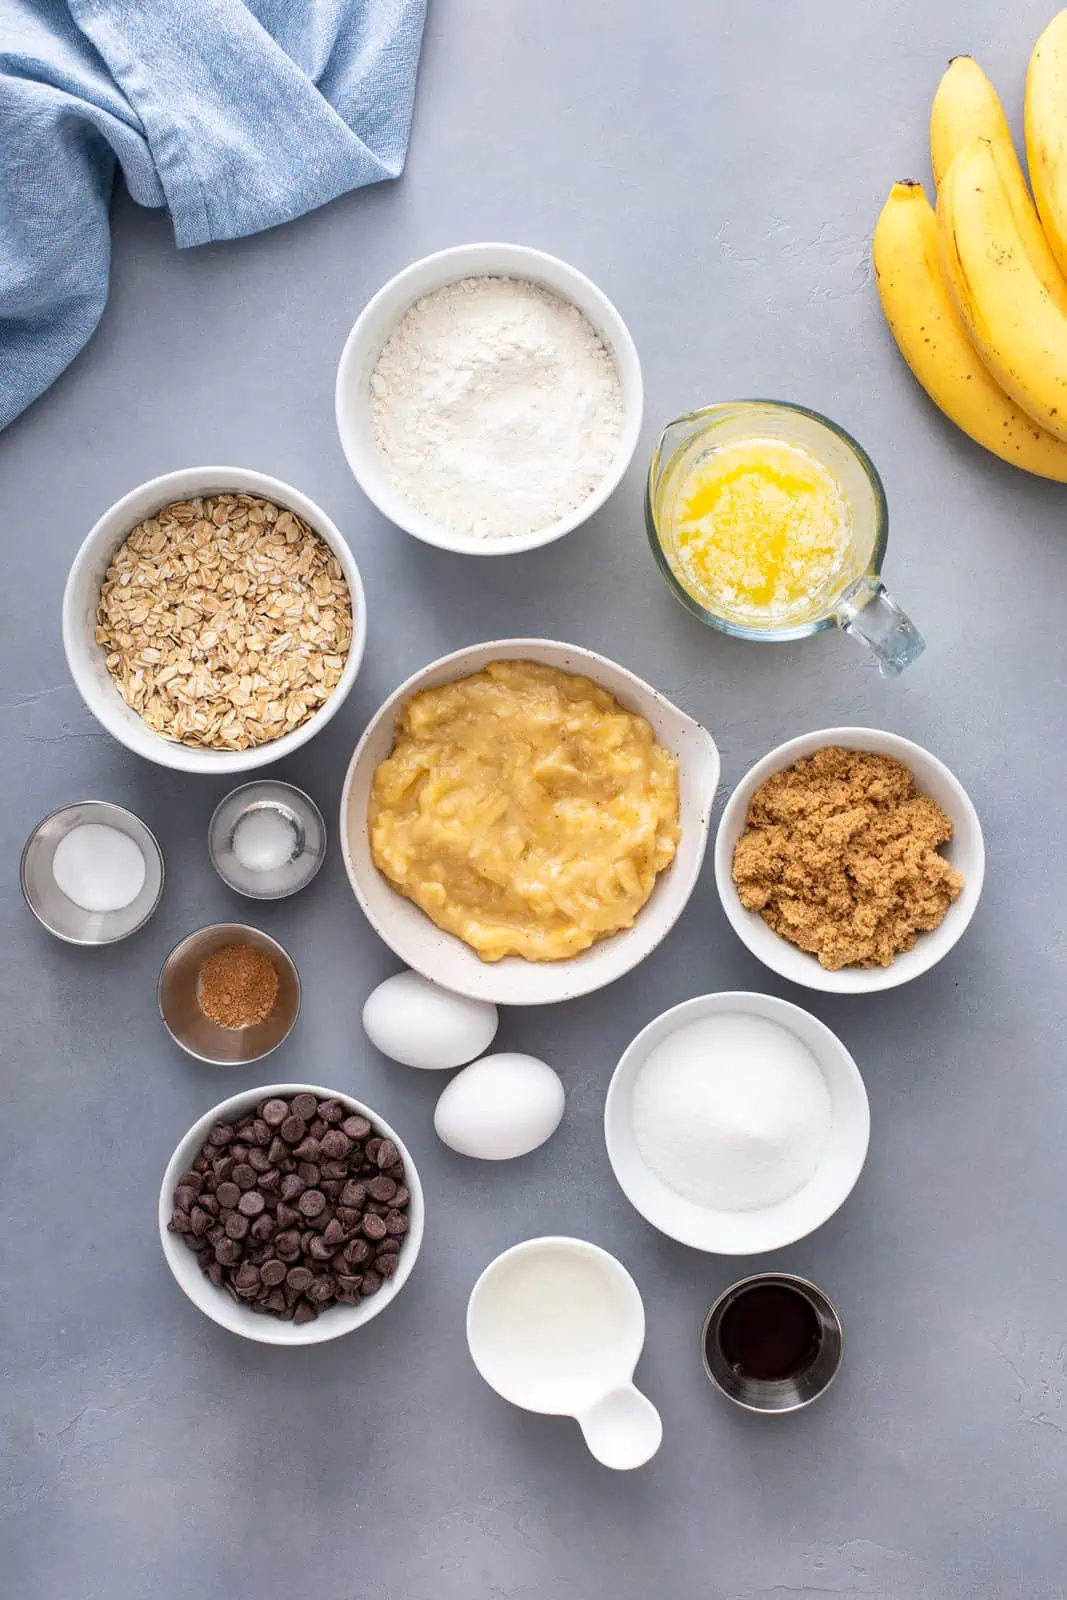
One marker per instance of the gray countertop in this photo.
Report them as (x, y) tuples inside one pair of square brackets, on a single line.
[(717, 169)]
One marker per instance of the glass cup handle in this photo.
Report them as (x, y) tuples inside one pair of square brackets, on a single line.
[(869, 613)]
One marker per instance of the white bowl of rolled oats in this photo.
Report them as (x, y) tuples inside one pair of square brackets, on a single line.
[(214, 620)]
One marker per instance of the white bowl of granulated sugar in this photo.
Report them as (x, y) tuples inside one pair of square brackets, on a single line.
[(489, 399)]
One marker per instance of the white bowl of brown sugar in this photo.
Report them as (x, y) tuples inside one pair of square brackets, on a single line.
[(849, 860)]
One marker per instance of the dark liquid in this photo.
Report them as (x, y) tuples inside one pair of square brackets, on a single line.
[(769, 1332)]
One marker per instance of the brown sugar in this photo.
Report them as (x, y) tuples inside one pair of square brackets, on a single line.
[(237, 986), (840, 856)]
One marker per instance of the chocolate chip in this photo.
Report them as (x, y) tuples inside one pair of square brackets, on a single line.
[(354, 1195), (321, 1292), (299, 1278), (228, 1195), (336, 1145), (348, 1289), (371, 1148), (387, 1265), (308, 1149), (336, 1171), (387, 1154), (286, 1215), (309, 1172), (274, 1112), (199, 1220), (261, 1133), (270, 1180), (355, 1127), (303, 1105), (331, 1187), (356, 1252), (401, 1198), (293, 1129), (319, 1250), (259, 1161), (179, 1222), (305, 1312), (273, 1272), (244, 1176), (287, 1244), (372, 1282), (190, 1180), (221, 1134), (292, 1186), (316, 1127), (397, 1224), (214, 1272), (374, 1227), (210, 1204), (264, 1228), (251, 1203), (331, 1110), (278, 1150), (227, 1252), (236, 1226), (185, 1198), (312, 1203), (381, 1189), (333, 1234)]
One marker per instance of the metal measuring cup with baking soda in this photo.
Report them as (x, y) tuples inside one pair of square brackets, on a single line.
[(770, 523)]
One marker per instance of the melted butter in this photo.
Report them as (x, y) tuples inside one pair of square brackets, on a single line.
[(758, 532)]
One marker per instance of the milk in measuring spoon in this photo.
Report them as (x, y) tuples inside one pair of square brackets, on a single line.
[(758, 531)]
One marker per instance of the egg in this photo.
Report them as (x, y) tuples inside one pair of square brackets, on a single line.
[(500, 1107), (415, 1022)]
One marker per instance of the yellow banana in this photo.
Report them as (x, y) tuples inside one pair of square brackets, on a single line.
[(966, 107), (1046, 132), (1013, 322), (934, 342)]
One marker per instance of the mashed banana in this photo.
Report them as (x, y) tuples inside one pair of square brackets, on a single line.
[(524, 810)]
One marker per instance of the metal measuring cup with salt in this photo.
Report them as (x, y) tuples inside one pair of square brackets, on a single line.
[(267, 839)]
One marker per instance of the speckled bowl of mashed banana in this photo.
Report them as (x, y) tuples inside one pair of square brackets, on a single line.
[(524, 821)]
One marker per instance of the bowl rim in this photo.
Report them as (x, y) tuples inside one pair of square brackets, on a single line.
[(237, 928), (911, 964), (514, 649), (613, 330), (114, 524), (769, 1007), (312, 1332), (57, 933)]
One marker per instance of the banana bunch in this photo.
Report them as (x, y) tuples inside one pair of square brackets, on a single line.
[(976, 293)]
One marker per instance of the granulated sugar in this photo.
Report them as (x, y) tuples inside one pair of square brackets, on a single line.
[(497, 408), (732, 1112)]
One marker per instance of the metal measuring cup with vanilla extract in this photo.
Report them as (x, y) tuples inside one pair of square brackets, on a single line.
[(769, 522)]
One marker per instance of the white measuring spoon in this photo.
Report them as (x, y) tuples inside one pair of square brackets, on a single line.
[(556, 1325)]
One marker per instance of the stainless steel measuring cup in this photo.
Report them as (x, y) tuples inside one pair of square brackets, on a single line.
[(858, 602)]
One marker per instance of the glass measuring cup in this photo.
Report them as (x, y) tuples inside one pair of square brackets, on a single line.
[(855, 599)]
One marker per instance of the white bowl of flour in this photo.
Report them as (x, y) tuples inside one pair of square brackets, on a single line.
[(736, 1123), (489, 399)]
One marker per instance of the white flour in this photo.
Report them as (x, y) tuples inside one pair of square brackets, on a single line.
[(496, 407), (732, 1112)]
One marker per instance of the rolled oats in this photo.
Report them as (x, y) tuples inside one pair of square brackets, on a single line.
[(226, 620)]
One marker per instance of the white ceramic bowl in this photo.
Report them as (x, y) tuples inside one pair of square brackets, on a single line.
[(220, 1306), (966, 852), (445, 959), (381, 315), (86, 659), (742, 1233)]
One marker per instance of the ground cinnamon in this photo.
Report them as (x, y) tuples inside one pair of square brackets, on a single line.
[(840, 855), (237, 986)]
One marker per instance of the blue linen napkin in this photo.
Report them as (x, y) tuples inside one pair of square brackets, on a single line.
[(234, 114)]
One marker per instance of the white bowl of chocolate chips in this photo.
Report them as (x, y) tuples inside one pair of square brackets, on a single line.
[(291, 1214)]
